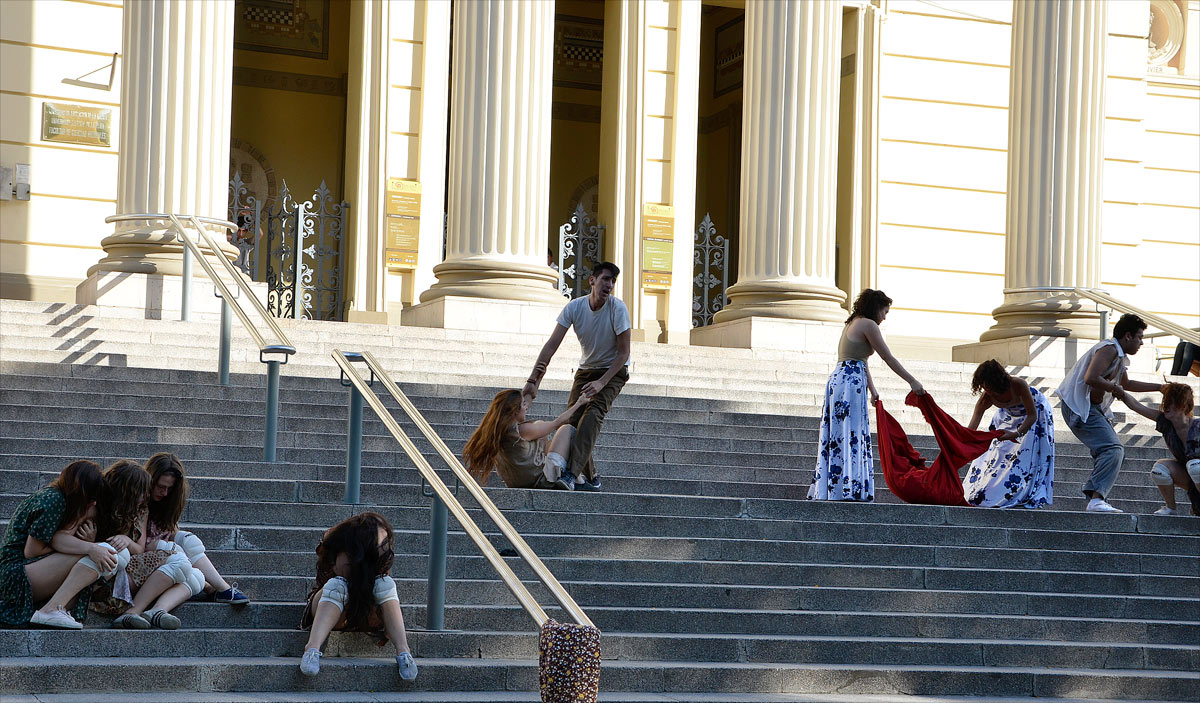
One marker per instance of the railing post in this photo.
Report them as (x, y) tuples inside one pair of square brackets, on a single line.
[(272, 409), (226, 336), (354, 447), (435, 611), (1103, 324), (185, 304)]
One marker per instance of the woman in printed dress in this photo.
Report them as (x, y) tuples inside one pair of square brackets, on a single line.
[(355, 590), (168, 497), (48, 534), (1018, 469), (153, 581), (845, 464), (1181, 431)]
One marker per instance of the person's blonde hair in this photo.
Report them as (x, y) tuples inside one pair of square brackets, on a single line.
[(484, 445)]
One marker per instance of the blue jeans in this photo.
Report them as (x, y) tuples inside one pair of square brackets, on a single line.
[(1098, 435)]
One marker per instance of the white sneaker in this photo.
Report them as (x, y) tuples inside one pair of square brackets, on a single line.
[(1166, 511), (1099, 505), (57, 618), (406, 666), (310, 663)]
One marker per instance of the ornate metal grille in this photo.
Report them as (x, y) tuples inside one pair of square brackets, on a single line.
[(710, 268), (580, 243), (301, 243), (243, 204)]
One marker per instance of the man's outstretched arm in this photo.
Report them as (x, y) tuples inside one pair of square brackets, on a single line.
[(543, 361)]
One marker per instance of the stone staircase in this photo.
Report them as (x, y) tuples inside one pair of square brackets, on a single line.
[(712, 578)]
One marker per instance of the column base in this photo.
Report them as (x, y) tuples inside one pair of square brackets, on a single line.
[(490, 279), (1052, 356), (786, 300), (483, 314), (770, 333), (153, 296), (1041, 315)]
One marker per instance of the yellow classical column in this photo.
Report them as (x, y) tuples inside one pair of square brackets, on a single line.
[(1055, 162), (499, 169), (176, 90), (789, 164)]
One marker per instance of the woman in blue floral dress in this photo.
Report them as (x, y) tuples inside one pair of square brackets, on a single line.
[(845, 464), (1018, 469)]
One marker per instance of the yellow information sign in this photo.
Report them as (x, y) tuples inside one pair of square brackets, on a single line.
[(76, 124), (403, 224), (658, 245)]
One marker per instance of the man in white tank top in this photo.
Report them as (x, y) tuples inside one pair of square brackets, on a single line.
[(1087, 393)]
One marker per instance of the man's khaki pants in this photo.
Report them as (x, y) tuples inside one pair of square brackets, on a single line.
[(590, 418)]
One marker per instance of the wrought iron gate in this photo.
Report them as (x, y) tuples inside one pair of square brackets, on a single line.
[(580, 244), (710, 268), (301, 243)]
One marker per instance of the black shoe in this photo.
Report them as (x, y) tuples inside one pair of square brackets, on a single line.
[(582, 484), (566, 481)]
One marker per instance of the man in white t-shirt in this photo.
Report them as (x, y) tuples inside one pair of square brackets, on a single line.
[(601, 323)]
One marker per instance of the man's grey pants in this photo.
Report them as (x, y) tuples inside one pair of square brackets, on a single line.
[(1098, 435)]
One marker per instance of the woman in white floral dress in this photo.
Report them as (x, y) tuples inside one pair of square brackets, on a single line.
[(1017, 471), (845, 464)]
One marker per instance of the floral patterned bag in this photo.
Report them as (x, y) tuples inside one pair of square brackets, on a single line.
[(140, 567), (569, 662)]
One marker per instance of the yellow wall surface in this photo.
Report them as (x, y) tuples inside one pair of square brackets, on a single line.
[(48, 242), (717, 188), (301, 134)]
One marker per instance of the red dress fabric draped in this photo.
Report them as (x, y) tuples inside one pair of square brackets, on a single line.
[(905, 469)]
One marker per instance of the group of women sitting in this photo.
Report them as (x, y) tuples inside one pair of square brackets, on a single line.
[(110, 538)]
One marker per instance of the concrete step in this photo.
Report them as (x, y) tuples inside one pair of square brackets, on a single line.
[(620, 646), (343, 674)]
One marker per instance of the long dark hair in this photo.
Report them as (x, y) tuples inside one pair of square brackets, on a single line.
[(80, 483), (869, 304), (358, 538), (165, 513), (990, 376), (484, 445), (126, 485)]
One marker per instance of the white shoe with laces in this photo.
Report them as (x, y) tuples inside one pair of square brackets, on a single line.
[(1099, 505), (1166, 511), (406, 666), (56, 618), (310, 664)]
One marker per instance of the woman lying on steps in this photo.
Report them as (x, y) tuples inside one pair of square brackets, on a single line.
[(1181, 432), (168, 497), (153, 581), (46, 537), (355, 591), (515, 447)]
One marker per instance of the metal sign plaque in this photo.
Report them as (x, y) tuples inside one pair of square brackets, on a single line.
[(658, 245), (403, 223), (76, 124)]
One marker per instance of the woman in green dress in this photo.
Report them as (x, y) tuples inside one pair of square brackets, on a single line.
[(49, 532)]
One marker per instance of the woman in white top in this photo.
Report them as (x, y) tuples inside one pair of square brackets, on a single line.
[(845, 464)]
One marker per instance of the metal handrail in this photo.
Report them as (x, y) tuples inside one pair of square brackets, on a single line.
[(229, 302), (1103, 298), (522, 594)]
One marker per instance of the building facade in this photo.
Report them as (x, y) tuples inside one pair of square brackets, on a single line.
[(976, 160)]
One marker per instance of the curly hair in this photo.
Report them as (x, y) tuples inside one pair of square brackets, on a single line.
[(358, 538), (990, 376), (484, 445), (1178, 396), (869, 304), (126, 487), (1129, 323), (80, 483), (165, 513)]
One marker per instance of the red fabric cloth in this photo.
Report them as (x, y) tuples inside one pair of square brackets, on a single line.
[(904, 468)]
